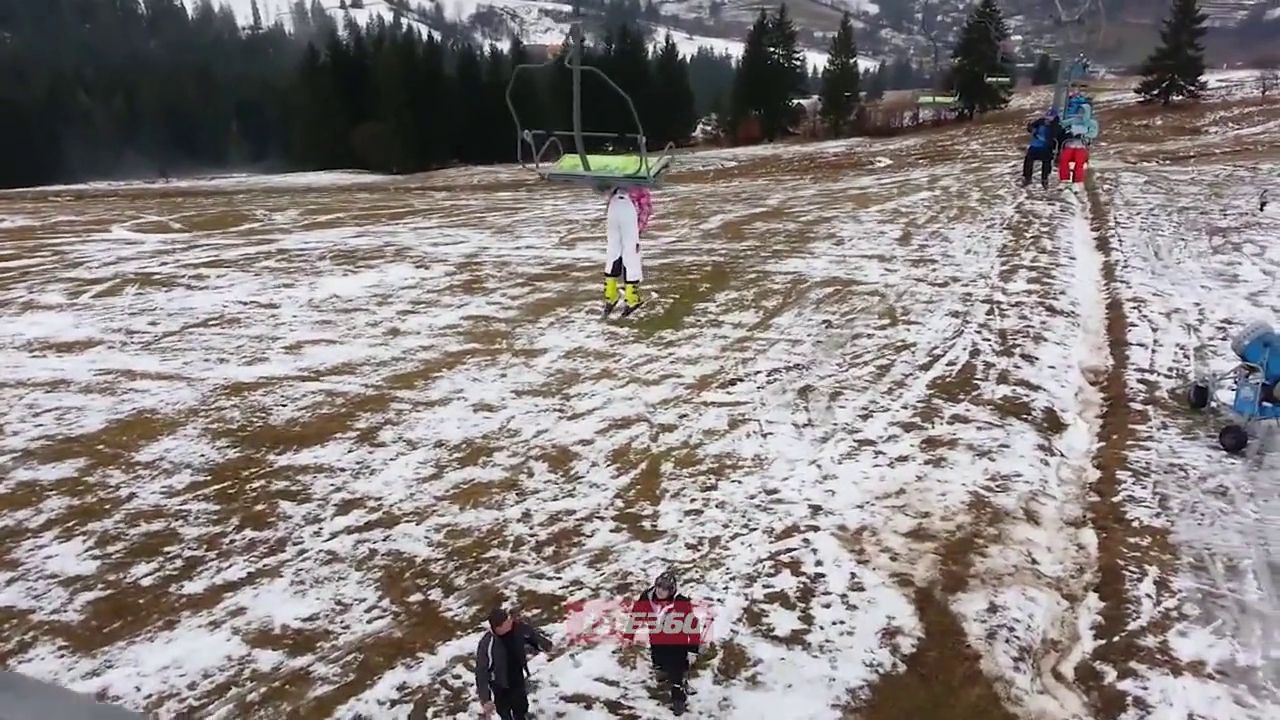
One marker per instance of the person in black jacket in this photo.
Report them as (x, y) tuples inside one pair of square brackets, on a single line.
[(502, 664), (670, 650)]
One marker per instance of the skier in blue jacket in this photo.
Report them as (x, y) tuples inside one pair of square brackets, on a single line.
[(1045, 134)]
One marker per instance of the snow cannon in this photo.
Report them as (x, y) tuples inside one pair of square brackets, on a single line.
[(1256, 396), (1259, 346)]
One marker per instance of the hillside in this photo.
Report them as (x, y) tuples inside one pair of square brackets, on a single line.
[(274, 445), (1114, 30)]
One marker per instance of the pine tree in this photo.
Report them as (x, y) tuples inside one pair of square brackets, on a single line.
[(301, 17), (1176, 68), (130, 86), (435, 91), (750, 82), (877, 83), (624, 57), (901, 74), (711, 75), (1046, 71), (840, 78), (469, 114), (786, 72), (322, 23), (498, 125), (674, 95), (525, 94), (976, 55)]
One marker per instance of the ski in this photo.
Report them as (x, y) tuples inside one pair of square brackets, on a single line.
[(627, 311)]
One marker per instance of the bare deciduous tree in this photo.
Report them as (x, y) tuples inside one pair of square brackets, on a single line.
[(1268, 80)]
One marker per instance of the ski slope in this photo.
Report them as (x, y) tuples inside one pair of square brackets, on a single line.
[(278, 444)]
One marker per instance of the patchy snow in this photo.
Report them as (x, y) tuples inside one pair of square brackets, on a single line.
[(188, 656), (328, 178), (1193, 279), (539, 23), (272, 11), (310, 428), (689, 45)]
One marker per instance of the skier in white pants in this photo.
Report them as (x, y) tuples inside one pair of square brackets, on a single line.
[(628, 214)]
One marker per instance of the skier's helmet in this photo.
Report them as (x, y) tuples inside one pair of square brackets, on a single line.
[(666, 581)]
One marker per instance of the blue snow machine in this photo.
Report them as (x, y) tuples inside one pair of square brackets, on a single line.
[(1257, 386)]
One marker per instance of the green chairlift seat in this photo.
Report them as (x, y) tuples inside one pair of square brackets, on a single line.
[(621, 170), (937, 100), (625, 169)]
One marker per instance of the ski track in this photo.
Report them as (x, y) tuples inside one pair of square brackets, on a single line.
[(308, 429)]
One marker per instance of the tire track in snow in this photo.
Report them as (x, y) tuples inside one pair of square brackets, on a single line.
[(1022, 615), (982, 558)]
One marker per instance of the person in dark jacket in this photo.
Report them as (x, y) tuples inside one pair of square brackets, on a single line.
[(670, 650), (1046, 133), (502, 664)]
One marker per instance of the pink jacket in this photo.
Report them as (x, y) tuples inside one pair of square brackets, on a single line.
[(644, 205)]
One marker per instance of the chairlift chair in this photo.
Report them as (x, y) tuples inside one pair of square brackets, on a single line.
[(998, 79), (599, 170), (929, 100), (1070, 77)]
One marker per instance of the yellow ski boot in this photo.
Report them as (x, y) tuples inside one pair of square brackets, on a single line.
[(632, 298), (610, 295)]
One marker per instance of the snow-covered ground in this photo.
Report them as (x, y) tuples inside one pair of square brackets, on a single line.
[(279, 443), (1194, 278)]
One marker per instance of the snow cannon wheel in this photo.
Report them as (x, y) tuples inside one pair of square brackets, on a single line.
[(1233, 438), (1198, 396)]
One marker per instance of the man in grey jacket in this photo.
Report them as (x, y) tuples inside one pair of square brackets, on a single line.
[(502, 664)]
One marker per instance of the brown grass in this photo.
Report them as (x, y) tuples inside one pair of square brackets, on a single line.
[(943, 677)]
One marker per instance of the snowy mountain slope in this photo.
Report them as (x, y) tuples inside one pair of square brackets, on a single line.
[(537, 23), (884, 404), (887, 28)]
